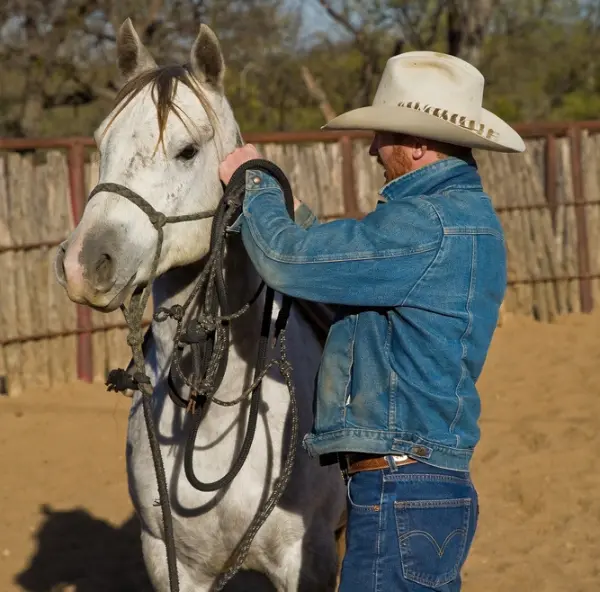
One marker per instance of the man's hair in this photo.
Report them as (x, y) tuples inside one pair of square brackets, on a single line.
[(447, 150), (442, 149)]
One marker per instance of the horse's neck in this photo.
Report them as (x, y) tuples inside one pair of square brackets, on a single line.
[(241, 281)]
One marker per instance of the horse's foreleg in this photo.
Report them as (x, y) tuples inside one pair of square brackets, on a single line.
[(309, 565), (155, 560)]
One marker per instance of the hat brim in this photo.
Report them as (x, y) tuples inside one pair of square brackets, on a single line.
[(409, 121)]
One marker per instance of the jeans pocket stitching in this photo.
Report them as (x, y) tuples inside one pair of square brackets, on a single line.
[(427, 477), (357, 507), (442, 503), (428, 579)]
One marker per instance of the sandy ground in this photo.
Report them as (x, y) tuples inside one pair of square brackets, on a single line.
[(65, 516)]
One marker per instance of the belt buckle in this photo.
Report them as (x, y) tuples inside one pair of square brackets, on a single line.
[(398, 460), (344, 466)]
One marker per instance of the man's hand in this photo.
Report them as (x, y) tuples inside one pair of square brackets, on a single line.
[(235, 160)]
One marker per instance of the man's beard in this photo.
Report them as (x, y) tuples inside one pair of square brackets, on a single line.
[(398, 165)]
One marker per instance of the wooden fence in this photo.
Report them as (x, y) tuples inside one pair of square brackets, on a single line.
[(547, 198)]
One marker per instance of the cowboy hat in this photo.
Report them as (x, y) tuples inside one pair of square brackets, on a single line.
[(434, 96)]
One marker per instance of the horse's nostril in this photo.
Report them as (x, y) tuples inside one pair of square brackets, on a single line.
[(104, 270)]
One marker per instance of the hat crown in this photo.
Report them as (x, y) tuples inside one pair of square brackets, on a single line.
[(436, 96), (432, 80)]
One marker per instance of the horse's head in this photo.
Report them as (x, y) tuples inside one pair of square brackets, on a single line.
[(170, 128)]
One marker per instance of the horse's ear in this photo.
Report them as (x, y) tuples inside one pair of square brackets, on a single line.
[(132, 56), (206, 59)]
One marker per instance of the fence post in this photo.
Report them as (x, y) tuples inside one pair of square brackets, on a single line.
[(551, 171), (76, 161), (349, 179), (583, 253)]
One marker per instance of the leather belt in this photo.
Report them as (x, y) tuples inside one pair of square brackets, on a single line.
[(354, 463)]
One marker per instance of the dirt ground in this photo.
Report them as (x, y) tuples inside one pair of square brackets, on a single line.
[(66, 519)]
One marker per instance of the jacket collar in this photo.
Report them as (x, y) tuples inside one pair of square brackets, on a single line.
[(449, 173)]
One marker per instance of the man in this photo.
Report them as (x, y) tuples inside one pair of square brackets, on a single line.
[(418, 284)]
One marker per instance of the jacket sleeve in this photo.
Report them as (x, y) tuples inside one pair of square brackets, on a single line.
[(371, 262), (305, 217)]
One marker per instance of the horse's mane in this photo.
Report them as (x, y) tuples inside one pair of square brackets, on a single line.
[(163, 81)]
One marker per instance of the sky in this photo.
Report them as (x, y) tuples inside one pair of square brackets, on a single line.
[(315, 18)]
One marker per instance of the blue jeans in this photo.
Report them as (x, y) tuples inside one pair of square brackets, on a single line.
[(409, 529)]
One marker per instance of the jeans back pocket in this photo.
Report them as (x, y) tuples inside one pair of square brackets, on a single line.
[(433, 536)]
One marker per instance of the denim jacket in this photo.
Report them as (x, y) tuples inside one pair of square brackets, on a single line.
[(418, 285)]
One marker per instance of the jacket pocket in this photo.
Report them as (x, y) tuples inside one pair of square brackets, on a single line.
[(367, 401), (433, 536), (335, 376)]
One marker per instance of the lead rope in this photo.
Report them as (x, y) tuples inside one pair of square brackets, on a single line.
[(133, 317), (208, 386)]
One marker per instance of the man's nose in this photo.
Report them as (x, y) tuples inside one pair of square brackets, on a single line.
[(374, 148)]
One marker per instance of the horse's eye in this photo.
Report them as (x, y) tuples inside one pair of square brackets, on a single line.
[(187, 153)]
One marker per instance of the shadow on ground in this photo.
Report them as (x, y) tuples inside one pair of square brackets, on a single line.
[(77, 552)]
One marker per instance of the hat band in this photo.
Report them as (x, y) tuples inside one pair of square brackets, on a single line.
[(460, 120)]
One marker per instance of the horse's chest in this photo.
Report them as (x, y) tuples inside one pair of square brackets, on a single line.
[(199, 512)]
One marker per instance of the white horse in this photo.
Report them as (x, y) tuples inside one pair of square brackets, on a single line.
[(170, 129)]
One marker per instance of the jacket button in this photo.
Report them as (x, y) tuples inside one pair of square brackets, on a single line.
[(419, 450)]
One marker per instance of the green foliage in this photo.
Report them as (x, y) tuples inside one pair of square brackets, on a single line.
[(578, 105), (538, 56)]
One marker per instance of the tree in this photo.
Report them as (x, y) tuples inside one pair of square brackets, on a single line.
[(61, 53), (59, 74)]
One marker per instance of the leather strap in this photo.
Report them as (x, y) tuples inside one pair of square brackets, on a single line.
[(356, 464)]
